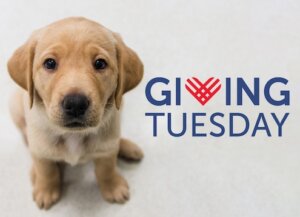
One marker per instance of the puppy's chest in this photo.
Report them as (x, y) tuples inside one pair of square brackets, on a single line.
[(79, 149), (75, 148)]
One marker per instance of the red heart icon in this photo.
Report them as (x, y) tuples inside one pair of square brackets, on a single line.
[(203, 92)]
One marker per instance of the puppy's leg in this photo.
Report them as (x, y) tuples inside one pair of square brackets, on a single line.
[(46, 180), (16, 109), (130, 150), (113, 186)]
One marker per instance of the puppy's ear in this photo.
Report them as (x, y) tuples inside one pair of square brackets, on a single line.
[(20, 66), (130, 69)]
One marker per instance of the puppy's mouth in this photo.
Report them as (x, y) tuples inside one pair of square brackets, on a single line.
[(76, 124)]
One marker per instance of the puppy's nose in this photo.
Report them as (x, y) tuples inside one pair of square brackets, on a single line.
[(75, 105)]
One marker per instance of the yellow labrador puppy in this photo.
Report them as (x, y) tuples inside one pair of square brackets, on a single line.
[(75, 72)]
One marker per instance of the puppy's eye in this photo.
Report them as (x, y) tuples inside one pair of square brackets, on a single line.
[(50, 64), (100, 64)]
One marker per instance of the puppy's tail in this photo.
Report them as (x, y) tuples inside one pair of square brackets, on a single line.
[(130, 150)]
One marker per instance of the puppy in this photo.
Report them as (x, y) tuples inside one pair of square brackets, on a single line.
[(73, 74)]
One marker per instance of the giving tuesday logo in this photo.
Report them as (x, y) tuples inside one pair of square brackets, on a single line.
[(274, 92), (203, 92)]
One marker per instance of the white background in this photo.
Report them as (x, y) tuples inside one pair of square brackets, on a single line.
[(179, 176)]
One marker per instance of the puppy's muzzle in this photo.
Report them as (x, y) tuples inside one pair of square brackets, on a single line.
[(74, 107)]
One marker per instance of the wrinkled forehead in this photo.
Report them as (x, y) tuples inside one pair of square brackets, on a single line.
[(75, 37)]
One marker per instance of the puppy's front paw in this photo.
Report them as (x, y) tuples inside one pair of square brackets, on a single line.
[(115, 190), (46, 197)]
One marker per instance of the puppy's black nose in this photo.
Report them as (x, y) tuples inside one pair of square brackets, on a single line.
[(75, 105)]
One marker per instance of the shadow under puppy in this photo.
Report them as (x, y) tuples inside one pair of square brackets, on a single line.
[(75, 72)]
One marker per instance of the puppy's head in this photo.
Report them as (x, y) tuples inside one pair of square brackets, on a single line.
[(76, 70)]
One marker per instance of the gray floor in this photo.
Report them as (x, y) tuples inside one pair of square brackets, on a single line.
[(179, 176)]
